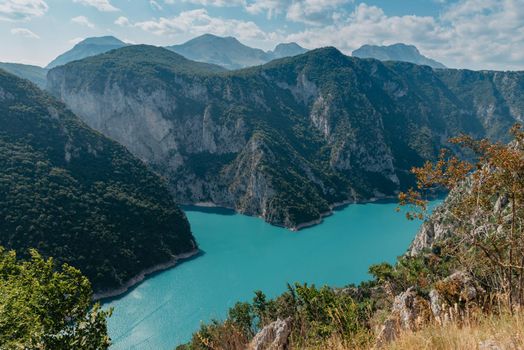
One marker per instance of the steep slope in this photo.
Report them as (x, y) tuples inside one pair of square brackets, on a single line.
[(286, 140), (227, 52), (396, 52), (77, 196), (87, 48), (32, 73)]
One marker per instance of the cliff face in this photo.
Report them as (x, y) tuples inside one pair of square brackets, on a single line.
[(285, 140)]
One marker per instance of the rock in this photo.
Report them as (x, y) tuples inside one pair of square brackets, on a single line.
[(459, 287), (435, 302), (409, 312), (274, 336), (489, 345), (388, 332)]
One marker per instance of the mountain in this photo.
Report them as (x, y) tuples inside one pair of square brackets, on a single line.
[(33, 73), (86, 48), (289, 139), (73, 194), (287, 50), (396, 52), (227, 52), (230, 53)]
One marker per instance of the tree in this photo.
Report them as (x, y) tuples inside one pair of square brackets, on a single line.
[(485, 205), (45, 307)]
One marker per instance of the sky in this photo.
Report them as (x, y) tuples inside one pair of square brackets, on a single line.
[(474, 34)]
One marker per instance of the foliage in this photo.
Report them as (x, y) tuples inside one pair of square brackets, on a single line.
[(77, 196), (487, 210), (45, 307), (316, 313)]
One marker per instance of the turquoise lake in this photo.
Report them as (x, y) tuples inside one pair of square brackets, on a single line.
[(242, 254)]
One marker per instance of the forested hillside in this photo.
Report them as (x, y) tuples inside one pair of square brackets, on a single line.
[(73, 194)]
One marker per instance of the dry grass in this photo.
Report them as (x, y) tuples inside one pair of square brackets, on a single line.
[(504, 332)]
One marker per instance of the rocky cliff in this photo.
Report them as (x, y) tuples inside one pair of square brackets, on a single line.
[(289, 139)]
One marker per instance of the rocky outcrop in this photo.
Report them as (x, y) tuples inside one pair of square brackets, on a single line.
[(448, 301), (408, 313), (274, 336), (284, 141), (437, 228), (453, 296)]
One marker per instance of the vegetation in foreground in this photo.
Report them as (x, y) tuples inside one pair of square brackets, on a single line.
[(46, 307), (462, 290)]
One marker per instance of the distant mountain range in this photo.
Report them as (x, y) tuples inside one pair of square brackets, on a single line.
[(227, 52), (230, 53), (86, 48), (33, 73), (396, 52), (288, 139)]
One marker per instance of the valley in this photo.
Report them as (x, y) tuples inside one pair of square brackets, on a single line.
[(261, 175)]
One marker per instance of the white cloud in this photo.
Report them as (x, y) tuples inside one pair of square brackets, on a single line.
[(314, 11), (100, 5), (216, 3), (271, 7), (82, 20), (155, 5), (22, 10), (478, 34), (24, 32), (305, 11), (122, 21), (197, 22)]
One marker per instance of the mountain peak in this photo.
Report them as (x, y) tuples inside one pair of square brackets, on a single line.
[(396, 52), (86, 48), (101, 40), (287, 49), (224, 51)]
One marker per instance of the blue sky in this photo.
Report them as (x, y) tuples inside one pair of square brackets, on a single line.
[(476, 34)]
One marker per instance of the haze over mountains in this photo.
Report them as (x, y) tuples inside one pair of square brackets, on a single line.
[(32, 73), (288, 139), (227, 52), (230, 53), (86, 48), (396, 52)]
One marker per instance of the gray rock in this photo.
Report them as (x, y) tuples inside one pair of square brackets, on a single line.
[(409, 312), (274, 336), (489, 345)]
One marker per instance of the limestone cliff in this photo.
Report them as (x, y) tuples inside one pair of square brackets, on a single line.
[(286, 140)]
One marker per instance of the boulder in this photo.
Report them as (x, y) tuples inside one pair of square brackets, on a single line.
[(409, 312), (274, 336)]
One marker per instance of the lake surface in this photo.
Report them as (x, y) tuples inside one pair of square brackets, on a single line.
[(243, 254)]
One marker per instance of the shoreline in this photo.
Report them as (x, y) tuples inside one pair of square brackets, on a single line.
[(138, 278), (332, 209)]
